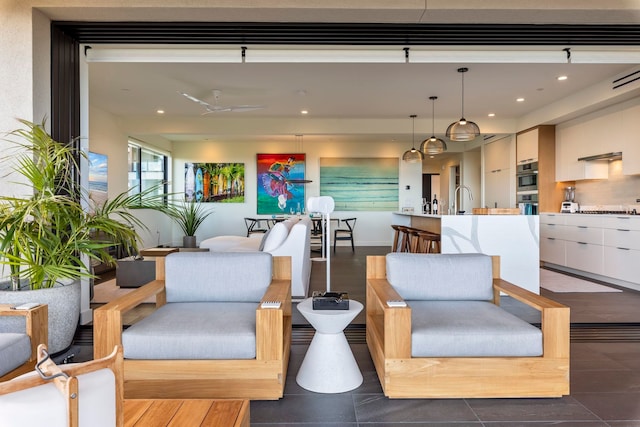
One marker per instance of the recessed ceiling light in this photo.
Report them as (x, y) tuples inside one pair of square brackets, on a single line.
[(561, 78), (491, 114), (520, 99), (160, 111), (304, 112)]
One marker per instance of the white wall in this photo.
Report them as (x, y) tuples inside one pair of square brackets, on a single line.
[(373, 228), (106, 137)]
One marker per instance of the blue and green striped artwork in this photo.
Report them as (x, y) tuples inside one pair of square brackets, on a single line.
[(360, 184)]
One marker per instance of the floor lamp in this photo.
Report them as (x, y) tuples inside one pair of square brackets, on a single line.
[(324, 205)]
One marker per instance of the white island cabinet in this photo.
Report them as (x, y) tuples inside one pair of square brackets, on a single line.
[(515, 238)]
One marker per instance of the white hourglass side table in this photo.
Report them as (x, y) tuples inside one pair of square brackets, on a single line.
[(329, 365)]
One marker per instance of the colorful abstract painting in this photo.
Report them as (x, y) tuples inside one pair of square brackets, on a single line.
[(214, 182), (361, 184), (279, 189)]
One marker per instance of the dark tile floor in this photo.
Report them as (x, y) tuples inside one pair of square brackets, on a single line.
[(605, 372)]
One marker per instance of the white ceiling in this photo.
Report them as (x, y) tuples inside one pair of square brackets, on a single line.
[(335, 91), (378, 98)]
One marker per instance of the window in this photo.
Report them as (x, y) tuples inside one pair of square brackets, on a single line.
[(147, 169)]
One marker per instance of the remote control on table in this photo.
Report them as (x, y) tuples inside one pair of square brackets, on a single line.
[(396, 303), (26, 306)]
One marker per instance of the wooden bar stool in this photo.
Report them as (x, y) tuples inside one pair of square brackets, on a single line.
[(428, 242), (414, 239), (405, 243), (397, 237)]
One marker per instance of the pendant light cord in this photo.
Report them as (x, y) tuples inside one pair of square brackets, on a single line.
[(463, 94), (413, 131)]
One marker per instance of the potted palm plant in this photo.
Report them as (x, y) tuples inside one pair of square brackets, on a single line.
[(49, 234), (189, 215)]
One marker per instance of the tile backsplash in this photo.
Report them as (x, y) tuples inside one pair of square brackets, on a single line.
[(619, 189)]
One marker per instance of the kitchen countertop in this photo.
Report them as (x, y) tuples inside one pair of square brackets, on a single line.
[(591, 214)]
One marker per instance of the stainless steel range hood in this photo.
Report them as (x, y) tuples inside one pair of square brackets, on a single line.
[(607, 156)]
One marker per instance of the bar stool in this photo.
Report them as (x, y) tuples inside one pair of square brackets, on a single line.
[(405, 242), (428, 242), (396, 237), (413, 240)]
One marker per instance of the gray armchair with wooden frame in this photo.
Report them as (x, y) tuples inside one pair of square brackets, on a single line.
[(210, 336), (18, 345), (452, 340)]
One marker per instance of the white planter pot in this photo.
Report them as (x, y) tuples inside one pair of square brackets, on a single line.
[(63, 308)]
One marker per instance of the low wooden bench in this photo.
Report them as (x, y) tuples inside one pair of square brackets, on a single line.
[(177, 412)]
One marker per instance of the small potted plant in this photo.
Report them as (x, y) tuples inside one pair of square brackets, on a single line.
[(189, 215), (49, 235)]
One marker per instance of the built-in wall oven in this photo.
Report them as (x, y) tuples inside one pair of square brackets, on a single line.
[(527, 177), (528, 203)]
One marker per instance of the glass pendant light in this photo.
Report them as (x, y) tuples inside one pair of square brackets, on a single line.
[(463, 129), (413, 155), (433, 145)]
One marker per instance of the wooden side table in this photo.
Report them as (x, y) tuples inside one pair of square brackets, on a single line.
[(159, 254), (193, 412)]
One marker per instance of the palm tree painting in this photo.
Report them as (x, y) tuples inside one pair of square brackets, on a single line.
[(280, 190), (214, 182)]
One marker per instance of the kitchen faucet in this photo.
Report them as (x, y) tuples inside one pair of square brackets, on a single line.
[(455, 197)]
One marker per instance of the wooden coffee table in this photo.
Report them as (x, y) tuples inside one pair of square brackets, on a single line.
[(192, 412)]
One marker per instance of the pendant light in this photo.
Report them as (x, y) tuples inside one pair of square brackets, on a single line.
[(413, 155), (433, 145), (462, 130)]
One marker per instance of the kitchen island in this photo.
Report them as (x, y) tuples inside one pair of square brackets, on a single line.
[(515, 238)]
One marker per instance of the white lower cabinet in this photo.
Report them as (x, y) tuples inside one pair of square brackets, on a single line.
[(552, 250), (622, 264), (585, 256), (604, 245)]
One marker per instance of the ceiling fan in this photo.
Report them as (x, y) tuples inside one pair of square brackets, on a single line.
[(216, 108)]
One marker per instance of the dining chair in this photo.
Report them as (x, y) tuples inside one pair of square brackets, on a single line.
[(345, 233), (254, 224)]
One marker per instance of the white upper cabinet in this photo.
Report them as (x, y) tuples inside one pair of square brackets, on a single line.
[(499, 185), (497, 154), (527, 147), (631, 141), (614, 129)]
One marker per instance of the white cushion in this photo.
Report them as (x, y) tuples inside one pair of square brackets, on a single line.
[(222, 243), (45, 406), (276, 236)]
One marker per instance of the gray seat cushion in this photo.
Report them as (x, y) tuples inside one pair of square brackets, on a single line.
[(15, 350), (218, 276), (441, 276), (195, 330), (470, 328)]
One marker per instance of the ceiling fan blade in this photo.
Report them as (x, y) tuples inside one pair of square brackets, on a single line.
[(215, 108), (196, 100), (245, 107)]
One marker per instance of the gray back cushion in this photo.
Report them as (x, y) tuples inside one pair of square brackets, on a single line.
[(217, 276), (441, 276)]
